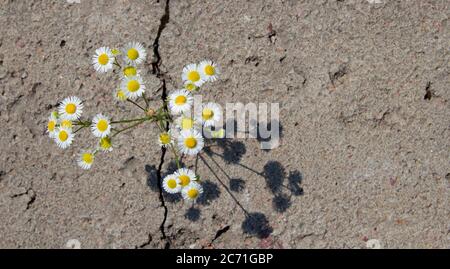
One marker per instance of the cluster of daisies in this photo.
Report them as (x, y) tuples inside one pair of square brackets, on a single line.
[(61, 123), (186, 135), (133, 54)]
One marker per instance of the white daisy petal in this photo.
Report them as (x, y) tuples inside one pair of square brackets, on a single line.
[(85, 160), (185, 176), (192, 191), (103, 60), (192, 74), (171, 184), (190, 142), (134, 53), (133, 87), (180, 101), (70, 108), (63, 137), (101, 126), (209, 71)]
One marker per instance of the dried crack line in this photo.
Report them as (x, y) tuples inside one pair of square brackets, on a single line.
[(156, 71), (220, 232)]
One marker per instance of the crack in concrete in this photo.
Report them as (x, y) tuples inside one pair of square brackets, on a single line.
[(220, 232), (157, 72), (30, 193)]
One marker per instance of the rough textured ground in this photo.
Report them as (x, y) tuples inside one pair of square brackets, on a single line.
[(365, 115)]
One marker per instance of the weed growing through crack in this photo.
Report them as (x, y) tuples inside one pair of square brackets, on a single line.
[(186, 135)]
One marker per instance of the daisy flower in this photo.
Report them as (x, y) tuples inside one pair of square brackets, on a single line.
[(120, 95), (165, 139), (70, 108), (192, 74), (209, 71), (51, 125), (190, 142), (133, 87), (190, 86), (86, 159), (186, 176), (186, 123), (101, 126), (105, 144), (63, 137), (130, 71), (66, 124), (171, 184), (115, 51), (192, 191), (103, 60), (134, 53), (180, 101), (211, 114)]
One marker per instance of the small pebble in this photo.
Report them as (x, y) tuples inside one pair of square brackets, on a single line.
[(73, 244), (373, 244)]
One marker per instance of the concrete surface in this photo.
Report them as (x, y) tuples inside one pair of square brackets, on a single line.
[(365, 114)]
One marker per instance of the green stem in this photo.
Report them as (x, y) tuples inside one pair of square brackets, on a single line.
[(83, 123), (117, 63), (130, 120), (145, 100), (84, 126), (129, 127), (136, 104)]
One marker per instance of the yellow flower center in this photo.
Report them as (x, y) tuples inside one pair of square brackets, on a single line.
[(51, 125), (71, 108), (103, 59), (184, 180), (121, 95), (190, 142), (87, 158), (66, 124), (172, 183), (209, 70), (129, 71), (190, 87), (133, 85), (207, 114), (102, 125), (192, 193), (187, 123), (193, 76), (105, 143), (133, 54), (63, 135), (180, 100), (164, 138)]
